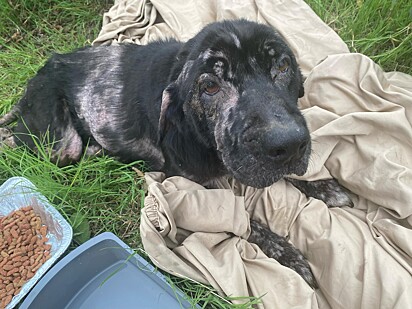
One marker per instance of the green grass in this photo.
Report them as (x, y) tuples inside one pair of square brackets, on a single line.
[(101, 194), (30, 30), (380, 29)]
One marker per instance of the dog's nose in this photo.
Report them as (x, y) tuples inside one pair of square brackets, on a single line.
[(286, 145), (288, 151), (280, 144)]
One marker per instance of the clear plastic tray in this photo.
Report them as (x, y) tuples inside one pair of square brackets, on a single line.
[(18, 192)]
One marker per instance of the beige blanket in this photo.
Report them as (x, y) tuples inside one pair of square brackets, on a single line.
[(360, 121)]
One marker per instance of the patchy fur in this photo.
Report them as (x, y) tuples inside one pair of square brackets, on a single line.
[(278, 248)]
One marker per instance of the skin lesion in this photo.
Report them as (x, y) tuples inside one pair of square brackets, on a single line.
[(69, 149)]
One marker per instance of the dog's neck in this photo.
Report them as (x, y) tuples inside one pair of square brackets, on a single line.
[(185, 156)]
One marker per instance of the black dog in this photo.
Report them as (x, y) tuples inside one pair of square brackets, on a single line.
[(224, 103)]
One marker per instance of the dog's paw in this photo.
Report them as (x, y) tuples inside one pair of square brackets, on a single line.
[(6, 138), (278, 248), (333, 194), (297, 262), (329, 191)]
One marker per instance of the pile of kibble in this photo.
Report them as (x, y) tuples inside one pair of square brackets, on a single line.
[(23, 250)]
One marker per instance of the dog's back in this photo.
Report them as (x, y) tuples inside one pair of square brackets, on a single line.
[(93, 97)]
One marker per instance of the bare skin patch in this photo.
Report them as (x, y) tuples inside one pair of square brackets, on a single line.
[(271, 52), (236, 40), (208, 53), (68, 149), (219, 68)]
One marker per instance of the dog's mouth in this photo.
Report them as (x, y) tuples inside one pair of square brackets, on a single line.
[(262, 171), (259, 173)]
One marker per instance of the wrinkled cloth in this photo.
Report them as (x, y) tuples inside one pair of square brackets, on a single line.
[(360, 122)]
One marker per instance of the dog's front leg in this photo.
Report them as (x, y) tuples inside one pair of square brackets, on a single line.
[(278, 248), (327, 190)]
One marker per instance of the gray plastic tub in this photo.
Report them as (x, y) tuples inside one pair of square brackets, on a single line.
[(104, 273), (18, 192)]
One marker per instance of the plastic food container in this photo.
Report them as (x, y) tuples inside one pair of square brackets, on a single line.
[(104, 273), (18, 192)]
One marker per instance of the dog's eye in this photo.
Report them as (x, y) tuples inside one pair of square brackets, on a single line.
[(211, 88), (283, 65)]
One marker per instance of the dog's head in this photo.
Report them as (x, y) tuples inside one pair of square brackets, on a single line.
[(236, 86)]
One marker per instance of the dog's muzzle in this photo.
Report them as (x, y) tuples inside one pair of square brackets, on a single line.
[(282, 144), (272, 153), (267, 149)]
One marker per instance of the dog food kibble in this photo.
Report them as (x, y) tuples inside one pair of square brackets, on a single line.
[(23, 250)]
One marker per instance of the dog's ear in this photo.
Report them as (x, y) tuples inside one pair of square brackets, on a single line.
[(302, 88), (173, 97), (169, 112)]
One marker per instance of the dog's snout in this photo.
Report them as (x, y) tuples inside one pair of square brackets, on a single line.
[(286, 149), (282, 145)]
